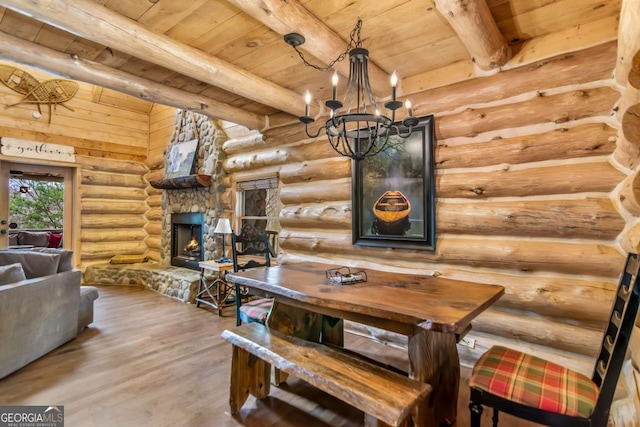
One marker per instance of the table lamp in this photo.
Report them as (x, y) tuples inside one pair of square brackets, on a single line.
[(223, 227)]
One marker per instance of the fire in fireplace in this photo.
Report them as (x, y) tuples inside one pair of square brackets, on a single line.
[(186, 240)]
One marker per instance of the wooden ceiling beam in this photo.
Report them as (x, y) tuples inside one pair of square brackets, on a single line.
[(22, 51), (322, 42), (92, 21), (477, 30)]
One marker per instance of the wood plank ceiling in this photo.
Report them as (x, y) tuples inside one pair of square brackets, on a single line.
[(236, 52)]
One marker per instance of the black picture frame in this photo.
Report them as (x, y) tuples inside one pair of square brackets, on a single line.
[(400, 178)]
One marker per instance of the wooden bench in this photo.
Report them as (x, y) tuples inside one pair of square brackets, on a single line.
[(385, 397)]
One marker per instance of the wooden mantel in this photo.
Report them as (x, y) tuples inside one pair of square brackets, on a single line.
[(190, 181)]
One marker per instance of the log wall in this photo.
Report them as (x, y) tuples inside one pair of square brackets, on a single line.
[(113, 206), (526, 197), (110, 144), (161, 128)]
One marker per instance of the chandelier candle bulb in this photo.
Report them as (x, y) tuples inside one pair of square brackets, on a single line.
[(407, 104), (334, 82), (307, 101), (394, 82)]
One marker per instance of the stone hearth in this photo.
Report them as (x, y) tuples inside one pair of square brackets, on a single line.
[(175, 282)]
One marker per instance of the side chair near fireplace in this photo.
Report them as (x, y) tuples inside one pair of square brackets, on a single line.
[(254, 253), (537, 390)]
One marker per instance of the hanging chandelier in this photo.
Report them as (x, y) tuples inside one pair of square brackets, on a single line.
[(356, 128)]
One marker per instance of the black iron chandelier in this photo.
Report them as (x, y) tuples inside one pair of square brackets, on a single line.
[(356, 128)]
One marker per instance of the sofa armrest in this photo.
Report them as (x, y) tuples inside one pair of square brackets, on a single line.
[(37, 315)]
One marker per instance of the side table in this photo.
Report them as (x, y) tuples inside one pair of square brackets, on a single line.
[(213, 289)]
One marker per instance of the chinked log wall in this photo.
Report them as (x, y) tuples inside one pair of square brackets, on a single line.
[(162, 124), (526, 190), (113, 207)]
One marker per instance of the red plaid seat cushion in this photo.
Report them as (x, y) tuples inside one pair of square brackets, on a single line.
[(256, 310), (535, 382)]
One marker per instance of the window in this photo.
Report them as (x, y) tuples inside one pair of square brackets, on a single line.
[(36, 202), (258, 204)]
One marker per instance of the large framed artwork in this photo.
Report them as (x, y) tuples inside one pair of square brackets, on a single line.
[(182, 158), (394, 193)]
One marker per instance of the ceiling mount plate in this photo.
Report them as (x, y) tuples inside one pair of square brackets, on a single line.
[(294, 39)]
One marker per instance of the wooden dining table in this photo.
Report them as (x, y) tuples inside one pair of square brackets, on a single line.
[(430, 311)]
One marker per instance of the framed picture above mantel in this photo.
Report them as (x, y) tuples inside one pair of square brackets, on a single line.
[(182, 159), (394, 193)]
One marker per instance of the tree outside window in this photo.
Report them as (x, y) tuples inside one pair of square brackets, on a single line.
[(36, 204)]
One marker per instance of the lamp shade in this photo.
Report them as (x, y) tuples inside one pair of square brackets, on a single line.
[(223, 226)]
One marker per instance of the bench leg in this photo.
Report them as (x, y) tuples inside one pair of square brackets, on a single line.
[(249, 375), (279, 377)]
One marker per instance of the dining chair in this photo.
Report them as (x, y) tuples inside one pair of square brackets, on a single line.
[(537, 390), (250, 249)]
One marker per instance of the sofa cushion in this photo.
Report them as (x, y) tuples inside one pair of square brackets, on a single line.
[(531, 381), (11, 273), (34, 264), (66, 257), (35, 238)]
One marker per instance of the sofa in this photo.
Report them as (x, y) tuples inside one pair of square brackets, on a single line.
[(35, 238), (42, 304)]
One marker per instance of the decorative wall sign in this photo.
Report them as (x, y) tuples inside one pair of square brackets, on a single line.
[(36, 150), (394, 193)]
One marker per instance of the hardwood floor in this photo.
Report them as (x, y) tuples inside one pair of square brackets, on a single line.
[(148, 360)]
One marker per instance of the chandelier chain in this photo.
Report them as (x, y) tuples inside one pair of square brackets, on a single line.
[(354, 42)]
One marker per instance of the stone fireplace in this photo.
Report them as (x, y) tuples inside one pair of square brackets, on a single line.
[(187, 211), (187, 248), (196, 204)]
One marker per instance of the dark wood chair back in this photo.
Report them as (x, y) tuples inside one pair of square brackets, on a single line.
[(618, 333), (607, 369), (250, 249)]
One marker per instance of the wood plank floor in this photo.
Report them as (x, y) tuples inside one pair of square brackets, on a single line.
[(149, 360)]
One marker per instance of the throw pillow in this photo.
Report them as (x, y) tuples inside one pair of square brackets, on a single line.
[(34, 264), (55, 239), (11, 273), (66, 257), (35, 238)]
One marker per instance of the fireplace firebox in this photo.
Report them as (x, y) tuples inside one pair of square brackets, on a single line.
[(187, 248)]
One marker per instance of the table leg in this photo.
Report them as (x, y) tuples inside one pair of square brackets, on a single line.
[(201, 284), (214, 298), (294, 321), (333, 331), (433, 359), (218, 297)]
